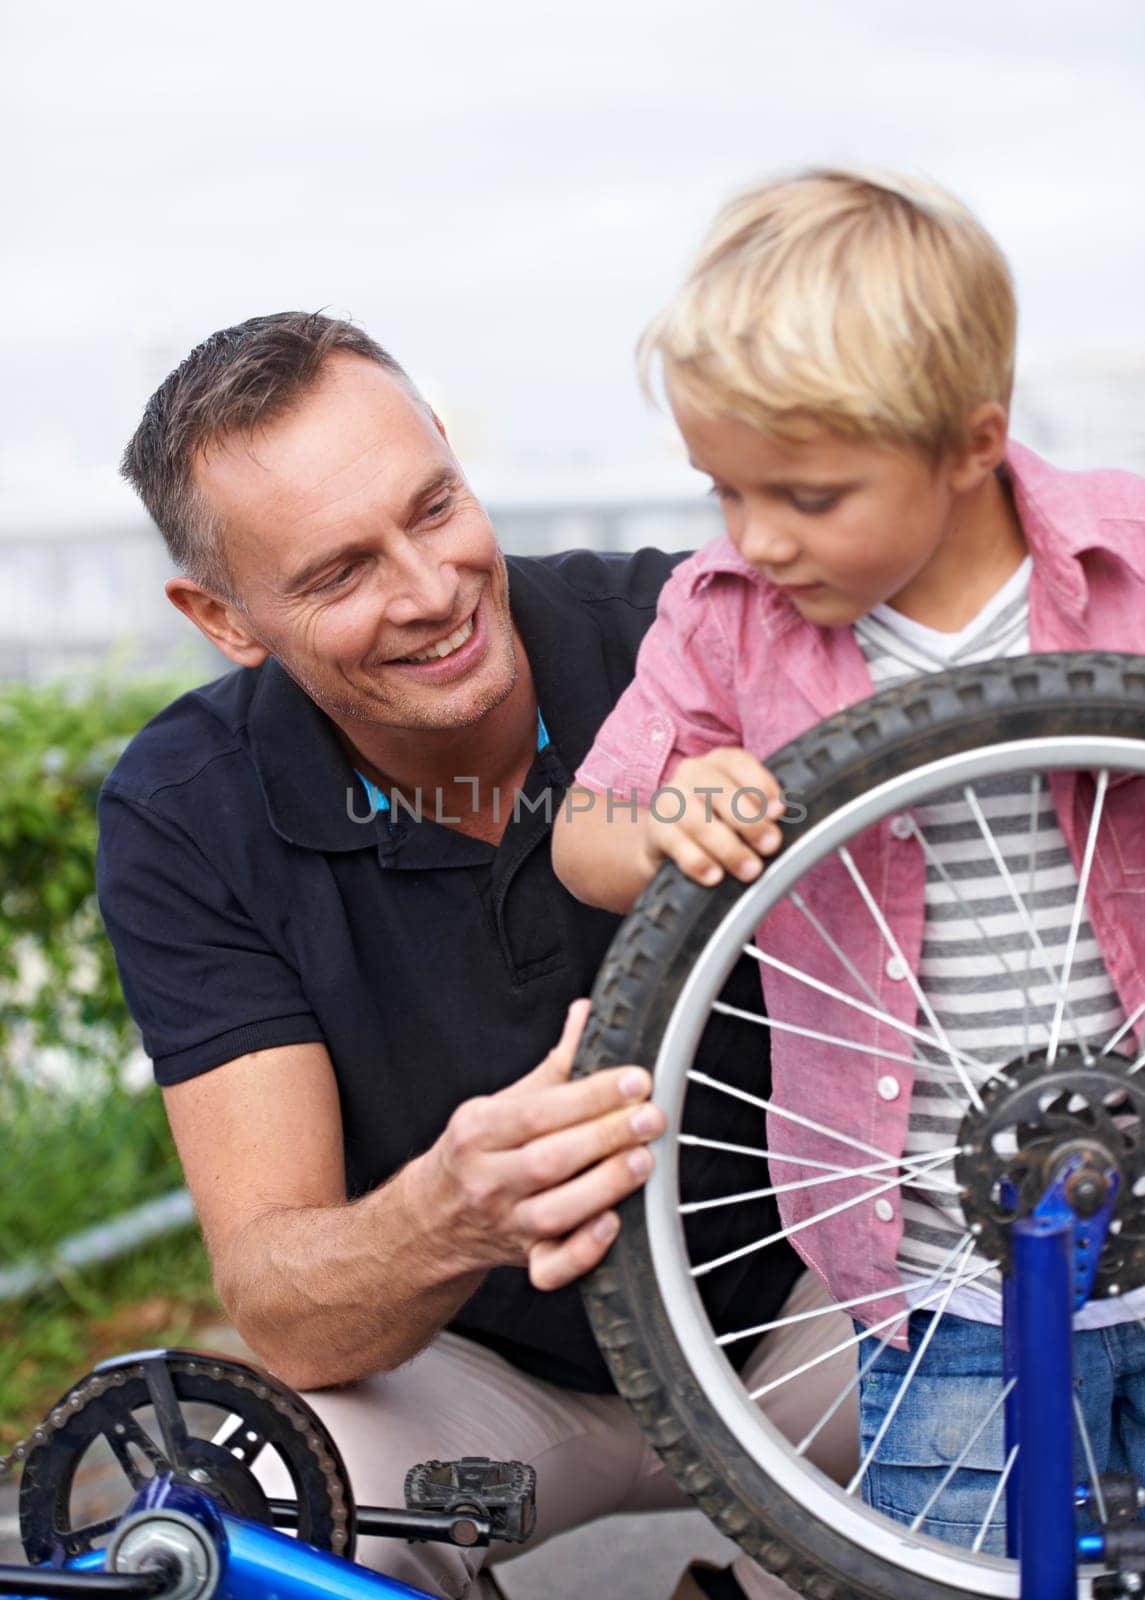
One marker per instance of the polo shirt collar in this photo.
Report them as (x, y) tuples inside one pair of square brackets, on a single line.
[(565, 651), (307, 779)]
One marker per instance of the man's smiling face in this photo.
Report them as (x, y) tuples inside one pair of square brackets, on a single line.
[(360, 557)]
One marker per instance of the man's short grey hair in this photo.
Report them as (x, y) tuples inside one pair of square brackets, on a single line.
[(233, 382)]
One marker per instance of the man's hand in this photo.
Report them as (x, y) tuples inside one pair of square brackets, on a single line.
[(531, 1174), (731, 804)]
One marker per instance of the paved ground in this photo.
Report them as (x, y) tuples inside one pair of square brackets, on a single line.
[(622, 1558)]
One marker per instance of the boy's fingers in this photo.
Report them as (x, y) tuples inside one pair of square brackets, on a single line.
[(705, 851), (741, 767), (740, 790), (741, 857), (691, 858), (753, 835)]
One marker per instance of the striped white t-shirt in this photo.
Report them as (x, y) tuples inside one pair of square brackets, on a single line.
[(990, 994)]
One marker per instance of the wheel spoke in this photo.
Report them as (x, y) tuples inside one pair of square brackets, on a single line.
[(876, 1327), (844, 1394), (904, 1180), (934, 860), (833, 945), (773, 1156), (1031, 879), (764, 1021), (754, 1150), (1078, 912), (761, 1328), (1090, 1462), (832, 993), (788, 1116), (957, 1463), (908, 1376), (875, 1170), (1126, 1026), (911, 976), (1027, 921), (980, 1538)]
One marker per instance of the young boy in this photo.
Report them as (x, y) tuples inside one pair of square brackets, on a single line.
[(839, 361)]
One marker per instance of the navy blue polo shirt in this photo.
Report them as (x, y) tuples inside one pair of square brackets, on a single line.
[(255, 899)]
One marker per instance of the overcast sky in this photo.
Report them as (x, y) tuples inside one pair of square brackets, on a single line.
[(504, 192)]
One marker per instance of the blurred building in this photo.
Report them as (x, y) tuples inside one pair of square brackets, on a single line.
[(82, 570), (84, 589), (1086, 413)]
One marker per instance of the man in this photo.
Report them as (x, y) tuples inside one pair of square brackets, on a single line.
[(327, 881)]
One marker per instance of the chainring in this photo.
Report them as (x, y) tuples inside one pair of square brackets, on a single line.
[(261, 1412), (1033, 1116)]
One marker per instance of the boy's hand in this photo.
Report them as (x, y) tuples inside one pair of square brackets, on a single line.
[(730, 803)]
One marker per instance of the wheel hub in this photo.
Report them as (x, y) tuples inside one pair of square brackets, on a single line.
[(1070, 1122)]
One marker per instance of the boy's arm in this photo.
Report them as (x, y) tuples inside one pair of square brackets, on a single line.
[(601, 858), (678, 717), (717, 814)]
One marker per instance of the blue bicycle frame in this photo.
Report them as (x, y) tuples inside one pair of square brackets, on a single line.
[(1040, 1350), (256, 1561)]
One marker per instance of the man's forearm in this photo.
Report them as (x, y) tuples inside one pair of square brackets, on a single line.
[(327, 1294)]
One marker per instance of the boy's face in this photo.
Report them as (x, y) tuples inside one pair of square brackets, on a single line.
[(840, 525)]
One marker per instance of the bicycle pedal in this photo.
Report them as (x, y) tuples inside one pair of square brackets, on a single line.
[(503, 1491)]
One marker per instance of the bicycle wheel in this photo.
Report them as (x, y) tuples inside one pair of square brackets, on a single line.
[(966, 737)]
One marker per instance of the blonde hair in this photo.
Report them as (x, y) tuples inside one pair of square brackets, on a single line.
[(870, 304)]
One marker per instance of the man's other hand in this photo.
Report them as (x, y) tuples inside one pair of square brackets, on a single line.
[(531, 1175)]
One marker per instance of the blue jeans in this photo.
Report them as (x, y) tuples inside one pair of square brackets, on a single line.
[(957, 1382)]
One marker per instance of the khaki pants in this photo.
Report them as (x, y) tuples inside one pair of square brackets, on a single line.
[(458, 1399)]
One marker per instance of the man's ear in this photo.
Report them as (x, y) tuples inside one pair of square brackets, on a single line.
[(223, 621), (438, 424), (987, 429)]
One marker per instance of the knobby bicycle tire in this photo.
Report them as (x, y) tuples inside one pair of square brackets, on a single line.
[(897, 731)]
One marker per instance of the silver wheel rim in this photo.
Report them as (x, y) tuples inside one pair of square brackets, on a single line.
[(915, 1554)]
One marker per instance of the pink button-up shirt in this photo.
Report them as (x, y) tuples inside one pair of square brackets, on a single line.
[(730, 661)]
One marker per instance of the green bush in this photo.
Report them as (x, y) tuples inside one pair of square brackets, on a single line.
[(58, 985), (71, 1161), (78, 1144)]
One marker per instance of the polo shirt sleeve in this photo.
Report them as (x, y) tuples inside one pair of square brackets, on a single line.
[(201, 980), (680, 703)]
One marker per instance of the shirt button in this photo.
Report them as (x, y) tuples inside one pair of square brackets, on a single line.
[(656, 735), (896, 967), (884, 1210), (888, 1088), (902, 827)]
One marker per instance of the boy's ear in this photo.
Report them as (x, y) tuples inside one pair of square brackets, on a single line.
[(987, 429), (223, 621)]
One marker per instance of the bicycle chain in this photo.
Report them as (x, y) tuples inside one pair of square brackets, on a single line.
[(98, 1384)]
